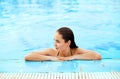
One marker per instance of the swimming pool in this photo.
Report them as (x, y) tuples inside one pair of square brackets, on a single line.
[(29, 25)]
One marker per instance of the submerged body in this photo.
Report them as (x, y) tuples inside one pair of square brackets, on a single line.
[(65, 49)]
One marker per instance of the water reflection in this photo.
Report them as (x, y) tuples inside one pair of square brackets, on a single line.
[(51, 66), (94, 19), (10, 7)]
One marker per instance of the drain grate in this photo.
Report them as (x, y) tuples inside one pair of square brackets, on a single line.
[(80, 75)]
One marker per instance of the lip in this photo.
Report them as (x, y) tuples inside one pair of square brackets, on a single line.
[(57, 48)]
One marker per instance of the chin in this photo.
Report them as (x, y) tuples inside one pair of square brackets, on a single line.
[(57, 49)]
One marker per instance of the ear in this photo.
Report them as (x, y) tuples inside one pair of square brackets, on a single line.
[(69, 42)]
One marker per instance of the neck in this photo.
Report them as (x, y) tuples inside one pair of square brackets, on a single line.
[(65, 53)]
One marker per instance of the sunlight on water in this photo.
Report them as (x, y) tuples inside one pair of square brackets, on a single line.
[(27, 25)]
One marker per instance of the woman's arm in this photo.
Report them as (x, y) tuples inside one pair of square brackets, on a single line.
[(85, 55), (38, 57), (41, 55)]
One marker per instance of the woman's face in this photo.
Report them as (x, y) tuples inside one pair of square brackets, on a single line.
[(60, 43)]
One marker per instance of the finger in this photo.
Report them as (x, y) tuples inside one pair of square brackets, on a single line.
[(60, 60)]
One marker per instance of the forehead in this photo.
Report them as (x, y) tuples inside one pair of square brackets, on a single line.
[(57, 35)]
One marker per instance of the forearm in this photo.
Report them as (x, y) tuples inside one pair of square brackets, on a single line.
[(38, 57), (87, 56)]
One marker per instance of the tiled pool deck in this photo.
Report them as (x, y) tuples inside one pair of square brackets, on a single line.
[(81, 75)]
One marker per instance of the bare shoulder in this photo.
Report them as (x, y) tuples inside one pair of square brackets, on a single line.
[(50, 52), (78, 51), (83, 51)]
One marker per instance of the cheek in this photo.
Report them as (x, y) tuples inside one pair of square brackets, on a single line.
[(61, 46), (58, 45)]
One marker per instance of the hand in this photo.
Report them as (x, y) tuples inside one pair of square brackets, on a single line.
[(61, 58), (56, 58), (66, 58), (53, 58)]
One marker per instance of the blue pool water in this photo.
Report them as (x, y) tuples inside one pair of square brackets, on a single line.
[(29, 25)]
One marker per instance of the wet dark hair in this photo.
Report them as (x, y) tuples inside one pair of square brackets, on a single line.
[(67, 35)]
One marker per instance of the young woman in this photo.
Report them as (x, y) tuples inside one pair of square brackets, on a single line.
[(65, 49)]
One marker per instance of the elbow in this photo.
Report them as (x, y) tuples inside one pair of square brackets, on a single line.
[(27, 58), (98, 57)]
